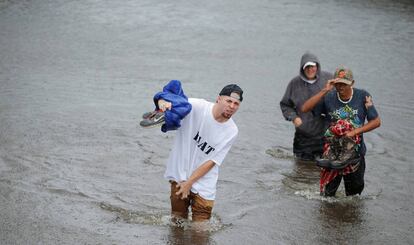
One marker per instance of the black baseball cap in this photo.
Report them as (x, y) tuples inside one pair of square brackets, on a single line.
[(232, 88)]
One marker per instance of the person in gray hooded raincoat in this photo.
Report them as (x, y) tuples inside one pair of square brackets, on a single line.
[(309, 129)]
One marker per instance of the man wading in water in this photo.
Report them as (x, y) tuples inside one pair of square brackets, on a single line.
[(346, 108), (309, 128), (200, 146)]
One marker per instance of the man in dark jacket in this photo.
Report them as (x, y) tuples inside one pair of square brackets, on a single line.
[(309, 129)]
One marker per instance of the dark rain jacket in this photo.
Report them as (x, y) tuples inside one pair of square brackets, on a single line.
[(173, 92), (308, 136)]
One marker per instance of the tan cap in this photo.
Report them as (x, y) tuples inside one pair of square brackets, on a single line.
[(345, 75)]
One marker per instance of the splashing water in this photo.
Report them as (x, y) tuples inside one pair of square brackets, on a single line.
[(278, 152), (161, 219)]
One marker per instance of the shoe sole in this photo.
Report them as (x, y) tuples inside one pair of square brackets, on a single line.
[(152, 125), (326, 163), (149, 114), (148, 123)]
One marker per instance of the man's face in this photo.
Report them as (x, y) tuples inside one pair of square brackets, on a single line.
[(310, 72), (342, 88), (228, 106)]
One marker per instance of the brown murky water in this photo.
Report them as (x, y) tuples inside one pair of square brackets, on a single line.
[(75, 77)]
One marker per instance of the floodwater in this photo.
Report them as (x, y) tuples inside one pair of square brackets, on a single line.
[(75, 77)]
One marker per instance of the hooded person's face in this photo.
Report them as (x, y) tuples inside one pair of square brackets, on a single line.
[(310, 72)]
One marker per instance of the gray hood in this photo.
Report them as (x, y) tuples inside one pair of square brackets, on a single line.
[(306, 58)]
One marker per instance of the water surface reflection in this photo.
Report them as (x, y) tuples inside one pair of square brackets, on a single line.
[(188, 236), (341, 220)]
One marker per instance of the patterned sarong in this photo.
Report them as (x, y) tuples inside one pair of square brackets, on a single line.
[(339, 129)]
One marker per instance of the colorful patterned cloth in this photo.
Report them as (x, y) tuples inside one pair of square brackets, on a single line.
[(337, 130), (354, 112)]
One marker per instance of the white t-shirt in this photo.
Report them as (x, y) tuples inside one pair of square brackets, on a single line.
[(199, 139)]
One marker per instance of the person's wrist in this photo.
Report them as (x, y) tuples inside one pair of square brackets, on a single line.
[(325, 91), (353, 133)]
